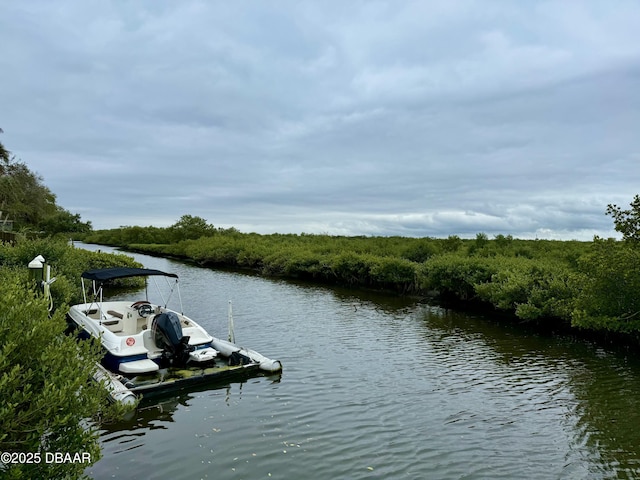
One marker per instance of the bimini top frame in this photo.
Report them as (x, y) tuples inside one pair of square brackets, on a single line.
[(101, 276), (105, 274)]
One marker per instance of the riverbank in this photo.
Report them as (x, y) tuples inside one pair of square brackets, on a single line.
[(567, 285)]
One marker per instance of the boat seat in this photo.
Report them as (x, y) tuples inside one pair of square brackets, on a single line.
[(114, 326), (114, 322)]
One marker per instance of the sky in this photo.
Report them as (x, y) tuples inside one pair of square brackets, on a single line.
[(412, 118)]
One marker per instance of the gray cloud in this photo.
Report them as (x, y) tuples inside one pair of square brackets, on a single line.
[(385, 118)]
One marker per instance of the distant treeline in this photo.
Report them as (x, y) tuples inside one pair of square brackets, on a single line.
[(569, 284)]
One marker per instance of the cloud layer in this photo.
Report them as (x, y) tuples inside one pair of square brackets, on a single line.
[(354, 118)]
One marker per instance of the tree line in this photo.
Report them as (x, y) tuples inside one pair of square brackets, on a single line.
[(569, 284)]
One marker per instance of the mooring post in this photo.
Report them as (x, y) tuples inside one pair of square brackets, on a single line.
[(232, 334)]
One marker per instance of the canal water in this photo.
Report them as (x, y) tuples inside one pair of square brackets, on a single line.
[(381, 387)]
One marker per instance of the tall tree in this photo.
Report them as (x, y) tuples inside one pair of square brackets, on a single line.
[(191, 228), (23, 195), (4, 153), (26, 200)]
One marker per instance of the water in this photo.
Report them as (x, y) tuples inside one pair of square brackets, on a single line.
[(381, 387)]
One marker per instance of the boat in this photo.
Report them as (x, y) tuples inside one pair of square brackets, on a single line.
[(149, 347)]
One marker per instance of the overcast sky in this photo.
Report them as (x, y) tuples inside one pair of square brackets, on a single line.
[(425, 118)]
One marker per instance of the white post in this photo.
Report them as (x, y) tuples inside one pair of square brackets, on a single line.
[(36, 270), (232, 336)]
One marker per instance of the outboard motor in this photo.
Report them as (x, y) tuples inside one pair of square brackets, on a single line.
[(167, 333)]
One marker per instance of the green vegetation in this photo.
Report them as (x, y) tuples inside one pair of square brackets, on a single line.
[(49, 402), (608, 299), (567, 284)]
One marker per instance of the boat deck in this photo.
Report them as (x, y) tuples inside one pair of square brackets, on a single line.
[(123, 320)]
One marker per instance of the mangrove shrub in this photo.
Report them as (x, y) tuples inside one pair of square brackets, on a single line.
[(49, 402), (47, 395), (610, 279)]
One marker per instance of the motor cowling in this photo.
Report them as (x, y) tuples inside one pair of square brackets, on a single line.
[(167, 334)]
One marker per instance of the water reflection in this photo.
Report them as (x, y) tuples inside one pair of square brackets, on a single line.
[(608, 390), (595, 392), (155, 411)]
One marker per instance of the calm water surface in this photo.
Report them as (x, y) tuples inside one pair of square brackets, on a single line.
[(381, 387)]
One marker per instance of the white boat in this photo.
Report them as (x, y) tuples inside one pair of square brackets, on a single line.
[(147, 344)]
